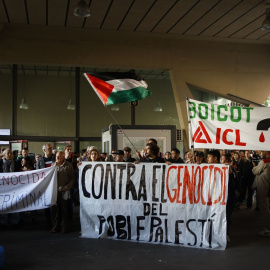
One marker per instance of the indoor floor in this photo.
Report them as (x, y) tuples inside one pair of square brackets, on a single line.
[(32, 246)]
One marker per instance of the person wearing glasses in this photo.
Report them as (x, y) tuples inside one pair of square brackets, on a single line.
[(112, 156)]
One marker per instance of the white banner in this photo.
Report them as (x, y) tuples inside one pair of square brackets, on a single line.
[(224, 127), (27, 191), (182, 205)]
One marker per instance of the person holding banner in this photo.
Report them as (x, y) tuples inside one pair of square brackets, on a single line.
[(48, 158), (65, 181), (46, 161), (199, 157), (119, 156), (69, 157), (262, 183), (226, 159), (111, 157), (167, 156), (87, 153), (154, 142), (94, 156), (188, 158), (127, 155), (152, 152), (7, 162), (7, 166), (26, 164), (175, 156)]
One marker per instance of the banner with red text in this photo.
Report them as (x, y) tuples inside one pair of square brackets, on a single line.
[(181, 205), (27, 191), (225, 127)]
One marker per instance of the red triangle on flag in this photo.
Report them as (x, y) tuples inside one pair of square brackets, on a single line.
[(200, 131), (102, 88), (199, 139)]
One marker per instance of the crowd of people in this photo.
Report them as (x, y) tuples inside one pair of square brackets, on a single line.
[(249, 174)]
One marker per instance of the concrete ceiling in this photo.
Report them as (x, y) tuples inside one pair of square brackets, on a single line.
[(70, 71), (216, 19), (220, 19)]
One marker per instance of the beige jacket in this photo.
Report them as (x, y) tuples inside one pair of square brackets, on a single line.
[(262, 174)]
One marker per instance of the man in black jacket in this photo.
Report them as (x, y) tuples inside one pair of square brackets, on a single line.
[(127, 155), (175, 156), (247, 179)]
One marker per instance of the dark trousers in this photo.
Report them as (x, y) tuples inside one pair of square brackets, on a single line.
[(229, 208), (246, 188), (60, 212), (70, 205)]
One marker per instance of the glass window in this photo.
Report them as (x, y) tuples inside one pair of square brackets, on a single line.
[(47, 97), (6, 98)]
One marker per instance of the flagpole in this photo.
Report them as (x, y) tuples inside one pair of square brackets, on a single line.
[(120, 128), (189, 130)]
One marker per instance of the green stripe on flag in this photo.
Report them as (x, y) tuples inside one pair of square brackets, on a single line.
[(128, 95)]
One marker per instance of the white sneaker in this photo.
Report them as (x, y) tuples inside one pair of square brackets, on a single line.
[(228, 239), (264, 232)]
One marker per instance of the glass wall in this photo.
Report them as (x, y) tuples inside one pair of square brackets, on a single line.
[(95, 117), (48, 90), (47, 98), (6, 99)]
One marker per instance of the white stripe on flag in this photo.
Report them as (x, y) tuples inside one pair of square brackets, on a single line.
[(126, 84)]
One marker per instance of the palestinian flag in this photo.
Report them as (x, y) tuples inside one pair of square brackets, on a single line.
[(118, 87)]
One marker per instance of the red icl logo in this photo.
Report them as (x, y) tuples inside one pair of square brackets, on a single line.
[(201, 136)]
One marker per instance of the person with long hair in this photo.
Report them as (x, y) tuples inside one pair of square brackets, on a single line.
[(237, 162), (27, 164), (188, 157), (86, 154), (94, 156)]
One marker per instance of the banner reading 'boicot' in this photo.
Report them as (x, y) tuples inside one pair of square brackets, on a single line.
[(225, 127)]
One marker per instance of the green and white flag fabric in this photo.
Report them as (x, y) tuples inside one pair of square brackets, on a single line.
[(118, 87)]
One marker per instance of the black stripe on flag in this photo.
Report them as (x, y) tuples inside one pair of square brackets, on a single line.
[(108, 76)]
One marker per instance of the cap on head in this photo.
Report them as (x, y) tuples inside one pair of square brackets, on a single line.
[(119, 152)]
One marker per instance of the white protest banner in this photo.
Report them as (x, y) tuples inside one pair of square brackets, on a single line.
[(224, 127), (180, 204), (27, 191)]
